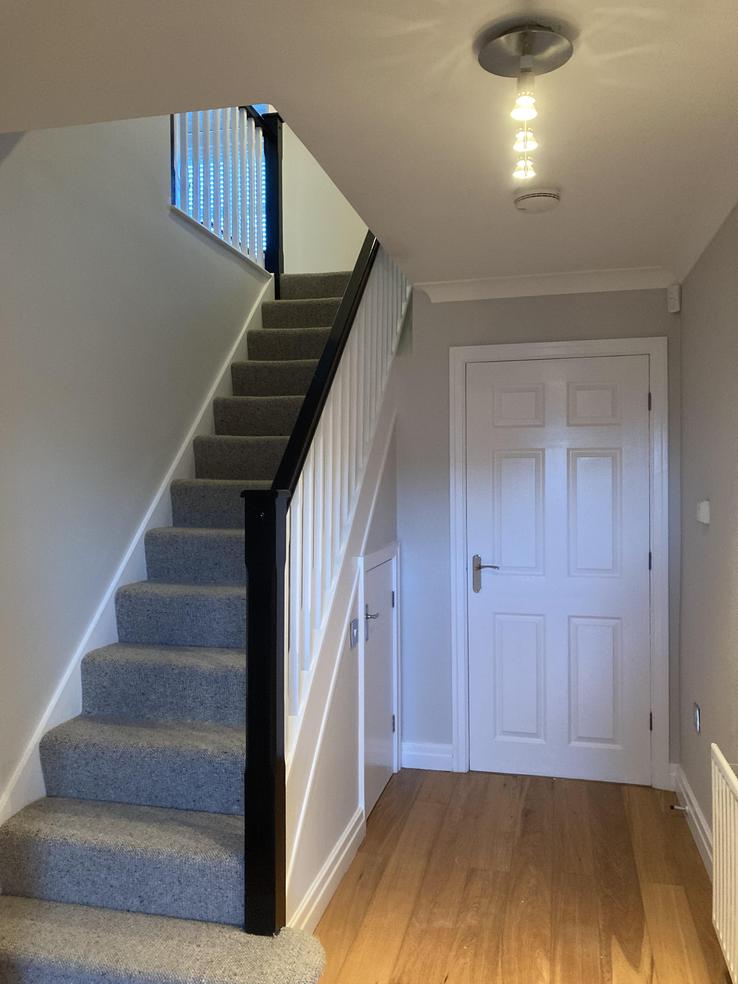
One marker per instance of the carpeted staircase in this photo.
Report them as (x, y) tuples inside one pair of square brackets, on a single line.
[(131, 869)]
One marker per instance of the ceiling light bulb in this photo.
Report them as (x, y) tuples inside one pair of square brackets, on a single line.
[(525, 100), (524, 169), (524, 113), (525, 141)]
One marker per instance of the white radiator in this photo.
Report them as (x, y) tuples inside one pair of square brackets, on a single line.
[(725, 857)]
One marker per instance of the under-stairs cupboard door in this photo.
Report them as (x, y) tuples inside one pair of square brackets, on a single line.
[(558, 471), (379, 616)]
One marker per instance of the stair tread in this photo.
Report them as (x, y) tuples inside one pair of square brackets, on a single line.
[(207, 738), (295, 286), (126, 827), (164, 589), (55, 943), (212, 659)]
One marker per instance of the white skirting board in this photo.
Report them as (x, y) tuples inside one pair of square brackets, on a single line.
[(26, 783), (427, 755), (696, 819), (313, 905)]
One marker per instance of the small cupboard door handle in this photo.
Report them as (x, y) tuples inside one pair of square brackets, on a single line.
[(477, 568)]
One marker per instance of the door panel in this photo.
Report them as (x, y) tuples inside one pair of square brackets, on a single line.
[(378, 681), (558, 497)]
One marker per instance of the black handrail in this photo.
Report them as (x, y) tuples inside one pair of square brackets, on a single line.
[(265, 515)]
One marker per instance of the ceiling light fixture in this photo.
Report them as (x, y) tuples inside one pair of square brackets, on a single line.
[(523, 52), (524, 169), (525, 141)]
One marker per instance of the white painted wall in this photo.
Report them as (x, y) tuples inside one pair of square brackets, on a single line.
[(321, 230), (115, 321), (423, 481), (709, 646)]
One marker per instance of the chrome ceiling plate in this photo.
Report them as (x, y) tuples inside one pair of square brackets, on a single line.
[(547, 49)]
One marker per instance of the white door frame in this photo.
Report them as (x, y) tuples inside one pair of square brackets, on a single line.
[(459, 357), (368, 562)]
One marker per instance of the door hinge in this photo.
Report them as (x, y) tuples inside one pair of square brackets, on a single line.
[(394, 724), (650, 401), (650, 560), (650, 721), (393, 599)]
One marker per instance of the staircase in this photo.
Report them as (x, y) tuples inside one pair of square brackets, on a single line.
[(132, 868)]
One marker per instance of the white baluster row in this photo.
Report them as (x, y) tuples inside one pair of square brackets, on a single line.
[(219, 176), (322, 507)]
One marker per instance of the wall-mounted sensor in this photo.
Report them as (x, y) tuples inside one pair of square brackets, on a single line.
[(703, 512)]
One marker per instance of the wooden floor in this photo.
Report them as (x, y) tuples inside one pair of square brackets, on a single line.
[(490, 879)]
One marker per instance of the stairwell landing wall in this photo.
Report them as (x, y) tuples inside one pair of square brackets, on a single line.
[(115, 319)]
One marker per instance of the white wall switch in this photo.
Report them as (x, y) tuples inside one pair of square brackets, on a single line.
[(703, 512)]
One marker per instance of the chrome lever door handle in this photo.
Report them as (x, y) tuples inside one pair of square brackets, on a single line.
[(477, 568), (368, 617)]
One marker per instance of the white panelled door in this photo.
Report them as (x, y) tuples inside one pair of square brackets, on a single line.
[(559, 635), (379, 671)]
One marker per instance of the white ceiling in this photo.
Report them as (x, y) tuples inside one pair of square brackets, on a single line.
[(639, 129)]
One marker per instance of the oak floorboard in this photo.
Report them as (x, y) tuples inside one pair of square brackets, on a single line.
[(490, 879), (527, 920), (374, 952)]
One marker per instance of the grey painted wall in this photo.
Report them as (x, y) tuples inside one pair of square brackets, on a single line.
[(114, 321), (709, 659), (423, 469)]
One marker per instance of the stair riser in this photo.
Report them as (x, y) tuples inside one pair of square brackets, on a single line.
[(303, 286), (230, 458), (260, 415), (296, 344), (272, 378), (172, 778), (207, 506), (313, 313), (151, 692), (179, 558), (185, 888), (188, 620)]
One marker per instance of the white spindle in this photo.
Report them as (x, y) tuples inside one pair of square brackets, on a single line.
[(243, 156), (219, 230), (218, 157), (231, 198), (251, 196), (319, 518), (207, 215), (196, 166), (259, 197)]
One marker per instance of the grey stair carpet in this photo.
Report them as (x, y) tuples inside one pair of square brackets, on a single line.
[(186, 555), (211, 503), (295, 343), (298, 286), (49, 943), (313, 313), (166, 862), (131, 871), (190, 765), (166, 683), (246, 416), (182, 614), (222, 456), (273, 378)]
